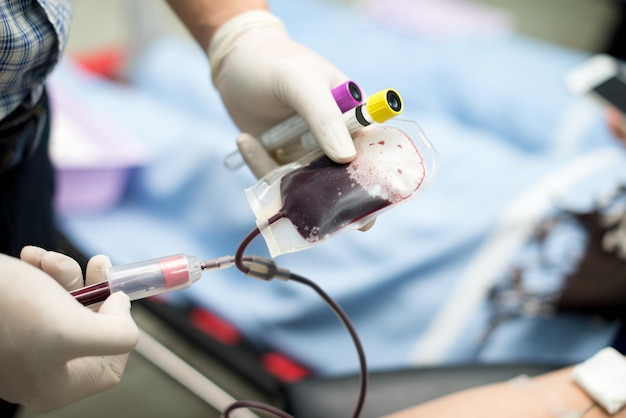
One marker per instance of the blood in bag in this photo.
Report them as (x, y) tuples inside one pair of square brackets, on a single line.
[(318, 198), (325, 196)]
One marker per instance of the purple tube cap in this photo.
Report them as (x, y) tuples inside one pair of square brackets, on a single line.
[(347, 95)]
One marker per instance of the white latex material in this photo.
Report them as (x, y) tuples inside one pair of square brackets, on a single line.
[(264, 77), (603, 377), (53, 350), (394, 162)]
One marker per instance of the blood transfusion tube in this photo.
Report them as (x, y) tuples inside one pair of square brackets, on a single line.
[(347, 96), (148, 278)]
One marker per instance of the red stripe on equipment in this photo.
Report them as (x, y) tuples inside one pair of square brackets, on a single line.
[(214, 326), (283, 367)]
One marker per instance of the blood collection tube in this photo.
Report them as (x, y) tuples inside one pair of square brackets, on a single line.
[(148, 278), (378, 108), (347, 96)]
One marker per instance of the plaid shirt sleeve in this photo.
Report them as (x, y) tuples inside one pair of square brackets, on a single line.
[(32, 37)]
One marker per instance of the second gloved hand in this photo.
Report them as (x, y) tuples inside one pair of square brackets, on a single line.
[(263, 77), (53, 350)]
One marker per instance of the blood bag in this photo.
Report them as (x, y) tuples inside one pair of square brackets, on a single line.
[(303, 203)]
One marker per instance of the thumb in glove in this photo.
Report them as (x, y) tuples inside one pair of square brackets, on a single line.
[(53, 350)]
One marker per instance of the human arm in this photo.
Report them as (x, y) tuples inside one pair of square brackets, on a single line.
[(53, 350), (203, 17), (540, 397), (262, 75), (617, 123)]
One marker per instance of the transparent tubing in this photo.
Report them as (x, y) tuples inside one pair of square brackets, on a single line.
[(347, 96), (381, 107)]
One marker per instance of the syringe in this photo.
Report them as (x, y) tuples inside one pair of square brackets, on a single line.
[(347, 96), (149, 278)]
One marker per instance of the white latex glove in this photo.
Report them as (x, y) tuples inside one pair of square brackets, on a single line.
[(263, 77), (53, 350)]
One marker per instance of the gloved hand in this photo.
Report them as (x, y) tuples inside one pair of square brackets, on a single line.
[(263, 77), (53, 350)]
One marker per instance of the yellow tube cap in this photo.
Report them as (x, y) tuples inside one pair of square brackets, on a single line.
[(384, 105)]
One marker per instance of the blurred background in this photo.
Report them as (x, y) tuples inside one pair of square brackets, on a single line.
[(588, 25), (112, 31)]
